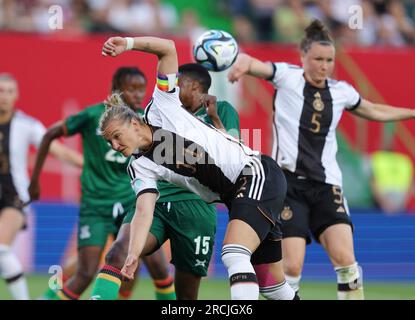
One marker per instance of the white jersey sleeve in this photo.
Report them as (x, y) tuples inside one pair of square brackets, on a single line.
[(281, 70), (143, 176), (352, 96), (37, 132)]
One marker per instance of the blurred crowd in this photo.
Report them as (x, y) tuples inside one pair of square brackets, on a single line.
[(384, 22)]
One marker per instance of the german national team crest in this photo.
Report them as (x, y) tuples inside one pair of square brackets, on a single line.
[(318, 104), (286, 214)]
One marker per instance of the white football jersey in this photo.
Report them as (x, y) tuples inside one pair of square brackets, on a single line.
[(190, 153), (24, 131), (305, 122)]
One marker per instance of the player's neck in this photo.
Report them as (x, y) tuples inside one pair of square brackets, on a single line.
[(317, 84), (5, 116)]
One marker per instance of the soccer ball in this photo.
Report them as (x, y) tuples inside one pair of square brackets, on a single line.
[(216, 50)]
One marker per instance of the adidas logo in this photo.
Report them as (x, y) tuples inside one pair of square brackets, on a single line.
[(341, 209)]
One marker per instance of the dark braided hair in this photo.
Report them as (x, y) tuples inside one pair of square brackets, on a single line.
[(316, 32), (121, 74)]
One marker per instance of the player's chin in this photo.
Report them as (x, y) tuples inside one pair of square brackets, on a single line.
[(126, 152)]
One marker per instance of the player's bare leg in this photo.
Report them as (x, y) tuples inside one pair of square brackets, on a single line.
[(158, 267), (337, 240), (11, 270), (88, 262), (293, 252), (187, 285), (108, 282)]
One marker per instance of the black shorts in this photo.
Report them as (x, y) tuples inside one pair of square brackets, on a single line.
[(311, 207), (8, 195), (10, 198), (259, 201)]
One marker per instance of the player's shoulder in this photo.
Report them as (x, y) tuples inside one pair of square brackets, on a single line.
[(91, 112), (282, 66), (339, 84), (24, 118), (95, 108)]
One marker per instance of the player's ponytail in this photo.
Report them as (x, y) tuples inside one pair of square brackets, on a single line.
[(316, 32), (116, 109), (115, 100)]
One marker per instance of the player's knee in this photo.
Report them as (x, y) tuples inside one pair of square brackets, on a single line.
[(342, 258), (292, 268), (116, 255)]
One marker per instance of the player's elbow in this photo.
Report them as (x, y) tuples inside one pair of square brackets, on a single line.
[(169, 47), (53, 132)]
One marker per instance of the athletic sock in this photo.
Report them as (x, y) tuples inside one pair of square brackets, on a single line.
[(242, 277), (107, 284), (12, 272), (349, 282), (164, 289)]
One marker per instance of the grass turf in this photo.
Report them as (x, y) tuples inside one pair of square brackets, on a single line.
[(218, 289)]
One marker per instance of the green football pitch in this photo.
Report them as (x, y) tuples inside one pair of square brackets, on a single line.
[(214, 289)]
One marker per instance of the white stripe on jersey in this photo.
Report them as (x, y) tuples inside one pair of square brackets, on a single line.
[(289, 100), (24, 131), (258, 179)]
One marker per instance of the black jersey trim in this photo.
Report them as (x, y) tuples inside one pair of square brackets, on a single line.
[(356, 105), (149, 190), (274, 69), (147, 109)]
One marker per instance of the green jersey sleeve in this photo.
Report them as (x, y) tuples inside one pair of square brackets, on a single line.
[(78, 122)]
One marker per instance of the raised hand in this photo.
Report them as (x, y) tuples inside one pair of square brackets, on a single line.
[(240, 67), (114, 46)]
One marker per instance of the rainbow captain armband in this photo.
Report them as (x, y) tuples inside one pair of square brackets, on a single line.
[(167, 82)]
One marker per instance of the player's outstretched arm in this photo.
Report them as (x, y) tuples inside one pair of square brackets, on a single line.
[(66, 154), (245, 64), (164, 49), (382, 112), (56, 131), (139, 229)]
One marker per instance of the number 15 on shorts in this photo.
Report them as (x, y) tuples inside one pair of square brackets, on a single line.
[(202, 244)]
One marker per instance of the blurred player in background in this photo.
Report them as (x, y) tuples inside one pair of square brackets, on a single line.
[(174, 146), (106, 192), (17, 132), (180, 215), (308, 106)]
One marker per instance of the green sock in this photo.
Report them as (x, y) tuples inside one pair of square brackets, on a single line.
[(107, 284), (48, 295), (165, 289)]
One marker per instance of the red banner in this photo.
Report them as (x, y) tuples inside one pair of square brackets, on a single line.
[(60, 76)]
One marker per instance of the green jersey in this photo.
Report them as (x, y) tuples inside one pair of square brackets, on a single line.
[(104, 178), (230, 120)]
